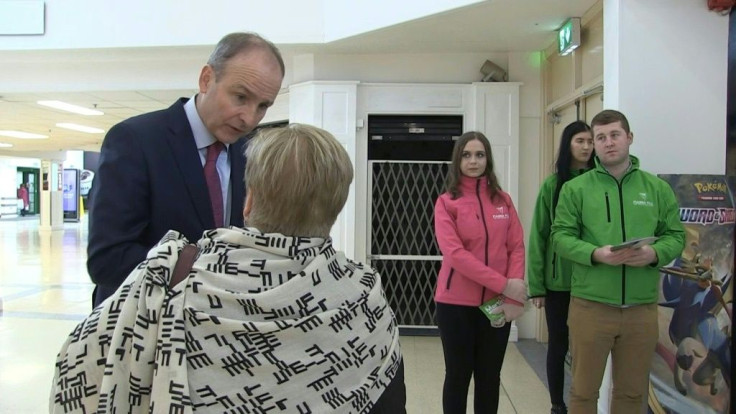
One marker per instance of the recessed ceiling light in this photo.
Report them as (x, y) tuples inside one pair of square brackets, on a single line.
[(70, 108), (80, 128), (5, 145), (22, 135)]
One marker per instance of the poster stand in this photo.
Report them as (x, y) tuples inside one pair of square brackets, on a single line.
[(71, 195), (692, 364)]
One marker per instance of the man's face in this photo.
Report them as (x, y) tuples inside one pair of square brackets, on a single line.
[(612, 144), (232, 104)]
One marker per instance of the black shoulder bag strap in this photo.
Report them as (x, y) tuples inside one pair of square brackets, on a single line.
[(183, 264)]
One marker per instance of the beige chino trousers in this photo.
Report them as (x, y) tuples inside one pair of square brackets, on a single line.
[(630, 335)]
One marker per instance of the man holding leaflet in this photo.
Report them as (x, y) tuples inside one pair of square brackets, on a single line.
[(613, 306)]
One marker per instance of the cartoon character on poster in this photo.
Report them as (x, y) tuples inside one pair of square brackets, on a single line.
[(692, 367)]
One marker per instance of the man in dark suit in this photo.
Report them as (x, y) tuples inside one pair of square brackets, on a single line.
[(180, 168)]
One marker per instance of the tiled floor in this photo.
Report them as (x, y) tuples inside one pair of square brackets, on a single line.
[(45, 291)]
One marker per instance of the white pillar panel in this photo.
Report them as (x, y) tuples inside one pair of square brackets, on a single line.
[(335, 111), (301, 103), (611, 54), (666, 69), (497, 116)]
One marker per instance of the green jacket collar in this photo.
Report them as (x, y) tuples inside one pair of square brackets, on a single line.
[(634, 165)]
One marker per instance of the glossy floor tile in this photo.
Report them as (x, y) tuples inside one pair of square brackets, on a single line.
[(45, 291)]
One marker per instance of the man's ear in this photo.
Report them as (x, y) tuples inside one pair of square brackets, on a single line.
[(205, 77), (631, 138), (248, 205)]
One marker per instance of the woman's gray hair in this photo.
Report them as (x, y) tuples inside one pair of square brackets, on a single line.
[(298, 178), (239, 42)]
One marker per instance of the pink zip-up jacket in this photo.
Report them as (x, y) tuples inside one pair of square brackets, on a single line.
[(481, 241)]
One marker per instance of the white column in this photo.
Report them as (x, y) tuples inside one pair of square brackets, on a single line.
[(497, 116), (665, 68)]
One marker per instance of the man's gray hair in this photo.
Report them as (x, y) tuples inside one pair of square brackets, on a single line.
[(298, 178), (239, 42)]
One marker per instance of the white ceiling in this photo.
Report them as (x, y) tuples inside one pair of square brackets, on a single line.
[(20, 112), (489, 26)]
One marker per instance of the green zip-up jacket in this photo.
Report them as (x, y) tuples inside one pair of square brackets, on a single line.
[(595, 210), (545, 270)]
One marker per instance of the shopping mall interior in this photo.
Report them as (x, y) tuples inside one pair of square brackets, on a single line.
[(352, 68)]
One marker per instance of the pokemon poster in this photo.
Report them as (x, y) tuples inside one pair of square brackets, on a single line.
[(692, 364)]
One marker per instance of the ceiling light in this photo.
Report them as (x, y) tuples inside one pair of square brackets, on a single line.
[(5, 145), (22, 135), (70, 108), (80, 128)]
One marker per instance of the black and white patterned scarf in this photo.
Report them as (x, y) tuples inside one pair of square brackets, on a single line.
[(263, 324)]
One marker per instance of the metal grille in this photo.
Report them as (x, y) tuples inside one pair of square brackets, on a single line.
[(402, 242), (409, 286), (402, 203)]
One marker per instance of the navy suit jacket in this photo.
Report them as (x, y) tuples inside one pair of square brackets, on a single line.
[(150, 179)]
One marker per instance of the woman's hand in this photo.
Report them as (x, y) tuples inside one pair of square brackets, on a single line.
[(516, 290), (510, 311)]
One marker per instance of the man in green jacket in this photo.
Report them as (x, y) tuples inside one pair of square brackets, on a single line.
[(614, 291)]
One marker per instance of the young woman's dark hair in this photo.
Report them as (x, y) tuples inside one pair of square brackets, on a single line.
[(564, 156), (452, 184)]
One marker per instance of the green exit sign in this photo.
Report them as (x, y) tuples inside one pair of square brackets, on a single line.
[(568, 38)]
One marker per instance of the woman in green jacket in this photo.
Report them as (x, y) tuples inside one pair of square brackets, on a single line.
[(549, 276)]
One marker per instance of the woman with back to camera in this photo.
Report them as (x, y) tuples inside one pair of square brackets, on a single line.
[(482, 245), (270, 318), (549, 275)]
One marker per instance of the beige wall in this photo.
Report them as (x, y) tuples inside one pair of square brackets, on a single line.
[(577, 76), (591, 49), (567, 79)]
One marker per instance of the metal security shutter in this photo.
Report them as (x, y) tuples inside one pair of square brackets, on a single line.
[(408, 164)]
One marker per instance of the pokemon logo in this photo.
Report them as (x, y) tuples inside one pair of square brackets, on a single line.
[(697, 215), (711, 188)]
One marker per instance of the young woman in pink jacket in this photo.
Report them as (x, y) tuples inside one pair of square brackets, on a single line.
[(482, 244)]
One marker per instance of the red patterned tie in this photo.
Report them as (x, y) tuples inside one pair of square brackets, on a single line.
[(213, 181)]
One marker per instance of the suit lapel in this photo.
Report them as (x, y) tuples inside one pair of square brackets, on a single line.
[(185, 153)]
